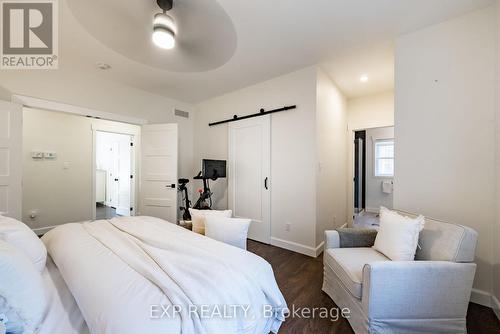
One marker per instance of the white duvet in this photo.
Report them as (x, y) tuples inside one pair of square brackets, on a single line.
[(145, 275)]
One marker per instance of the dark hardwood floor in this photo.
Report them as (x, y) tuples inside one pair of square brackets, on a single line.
[(300, 279)]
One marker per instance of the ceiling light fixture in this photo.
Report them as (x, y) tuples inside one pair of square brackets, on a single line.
[(103, 66), (164, 28), (363, 78)]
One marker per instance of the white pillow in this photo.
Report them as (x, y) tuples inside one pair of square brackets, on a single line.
[(198, 217), (232, 231), (23, 301), (397, 237), (23, 238)]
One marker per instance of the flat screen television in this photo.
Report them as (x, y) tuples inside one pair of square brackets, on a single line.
[(213, 168)]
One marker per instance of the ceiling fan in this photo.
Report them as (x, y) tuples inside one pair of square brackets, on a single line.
[(178, 36), (164, 28)]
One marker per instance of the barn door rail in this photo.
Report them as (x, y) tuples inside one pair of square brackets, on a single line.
[(261, 113)]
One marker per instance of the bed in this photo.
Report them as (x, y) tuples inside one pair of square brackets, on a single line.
[(145, 275)]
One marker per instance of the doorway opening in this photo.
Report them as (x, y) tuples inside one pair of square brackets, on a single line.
[(114, 176), (373, 174)]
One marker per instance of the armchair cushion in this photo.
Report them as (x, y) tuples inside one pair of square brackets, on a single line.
[(348, 263)]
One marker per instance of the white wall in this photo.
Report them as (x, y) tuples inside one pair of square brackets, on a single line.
[(444, 127), (371, 111), (293, 149), (375, 198), (496, 234), (108, 160), (95, 92), (331, 177), (59, 195), (5, 94)]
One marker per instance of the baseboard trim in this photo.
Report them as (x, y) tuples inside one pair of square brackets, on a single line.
[(372, 210), (480, 297), (320, 248), (43, 230), (495, 306), (296, 247)]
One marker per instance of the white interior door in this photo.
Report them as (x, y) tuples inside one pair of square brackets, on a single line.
[(249, 174), (123, 160), (159, 171), (10, 159), (113, 172)]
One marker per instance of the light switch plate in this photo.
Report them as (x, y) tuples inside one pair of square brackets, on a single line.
[(37, 155), (50, 155)]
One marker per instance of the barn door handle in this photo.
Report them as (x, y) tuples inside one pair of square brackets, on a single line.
[(265, 183)]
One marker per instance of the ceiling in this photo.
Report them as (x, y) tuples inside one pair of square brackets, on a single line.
[(347, 38)]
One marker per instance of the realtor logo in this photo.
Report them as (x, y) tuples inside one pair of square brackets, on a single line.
[(29, 34)]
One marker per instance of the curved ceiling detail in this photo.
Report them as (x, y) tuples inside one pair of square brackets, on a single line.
[(206, 37)]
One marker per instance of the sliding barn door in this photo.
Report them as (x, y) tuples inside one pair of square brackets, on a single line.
[(10, 159), (159, 171), (249, 174)]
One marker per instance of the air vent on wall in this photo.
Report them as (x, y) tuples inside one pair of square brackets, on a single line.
[(181, 113)]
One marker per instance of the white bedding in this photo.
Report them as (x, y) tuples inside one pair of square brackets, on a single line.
[(118, 270), (63, 315)]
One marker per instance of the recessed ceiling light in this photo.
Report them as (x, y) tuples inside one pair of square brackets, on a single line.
[(103, 66), (363, 78)]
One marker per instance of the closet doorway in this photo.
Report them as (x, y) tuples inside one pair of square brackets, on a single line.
[(249, 183), (114, 177)]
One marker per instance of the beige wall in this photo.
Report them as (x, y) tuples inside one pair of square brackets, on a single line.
[(444, 127), (331, 176), (59, 195)]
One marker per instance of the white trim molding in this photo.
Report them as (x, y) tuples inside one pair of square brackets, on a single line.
[(298, 248), (495, 306), (480, 297), (486, 299), (34, 102)]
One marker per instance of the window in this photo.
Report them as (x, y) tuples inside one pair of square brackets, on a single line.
[(384, 157)]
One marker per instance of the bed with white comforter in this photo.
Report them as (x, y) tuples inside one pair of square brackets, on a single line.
[(145, 275)]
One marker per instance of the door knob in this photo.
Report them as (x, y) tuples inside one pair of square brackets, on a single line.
[(116, 179), (171, 186)]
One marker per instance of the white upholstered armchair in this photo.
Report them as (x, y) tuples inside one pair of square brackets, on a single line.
[(428, 295)]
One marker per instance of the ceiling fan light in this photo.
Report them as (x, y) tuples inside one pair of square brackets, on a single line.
[(164, 30), (163, 38)]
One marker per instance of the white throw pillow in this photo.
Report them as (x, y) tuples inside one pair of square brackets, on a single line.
[(23, 300), (198, 217), (232, 231), (23, 238), (397, 237)]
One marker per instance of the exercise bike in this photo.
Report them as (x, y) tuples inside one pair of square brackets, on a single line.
[(211, 170), (183, 189)]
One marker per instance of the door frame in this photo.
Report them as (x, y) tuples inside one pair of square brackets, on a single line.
[(350, 164), (266, 191), (134, 162)]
